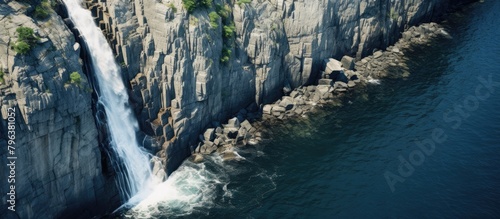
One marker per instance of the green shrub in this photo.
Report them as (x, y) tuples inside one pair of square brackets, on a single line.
[(393, 14), (214, 19), (223, 11), (172, 6), (26, 40), (224, 59), (47, 4), (1, 76), (22, 47), (228, 31), (240, 2), (26, 34), (206, 3), (75, 78), (42, 11), (190, 5), (226, 55)]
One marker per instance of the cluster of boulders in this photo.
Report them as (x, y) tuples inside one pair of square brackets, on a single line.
[(337, 78), (381, 64), (392, 62), (223, 138)]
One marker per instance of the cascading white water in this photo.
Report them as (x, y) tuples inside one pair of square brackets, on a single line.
[(113, 95)]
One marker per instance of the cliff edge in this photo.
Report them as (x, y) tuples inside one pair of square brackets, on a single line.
[(58, 169)]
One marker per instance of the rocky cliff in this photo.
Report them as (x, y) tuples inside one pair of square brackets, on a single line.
[(58, 169), (185, 71)]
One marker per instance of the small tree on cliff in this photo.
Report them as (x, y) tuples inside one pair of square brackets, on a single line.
[(26, 40), (75, 78), (191, 5)]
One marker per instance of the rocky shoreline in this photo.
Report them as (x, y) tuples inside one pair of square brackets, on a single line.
[(337, 79)]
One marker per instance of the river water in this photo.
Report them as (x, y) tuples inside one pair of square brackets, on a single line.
[(341, 161)]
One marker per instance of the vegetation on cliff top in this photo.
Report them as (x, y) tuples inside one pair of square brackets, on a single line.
[(191, 5), (228, 29), (42, 11), (26, 40), (172, 6), (223, 13)]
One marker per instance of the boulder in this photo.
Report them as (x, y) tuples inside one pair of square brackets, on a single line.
[(316, 97), (287, 103), (348, 62), (311, 88), (322, 89), (208, 148), (267, 109), (209, 134), (294, 94), (197, 158), (241, 134), (246, 124), (279, 109), (332, 65), (217, 141), (338, 76), (325, 82), (232, 123), (340, 84), (377, 54), (218, 130), (229, 155), (299, 101)]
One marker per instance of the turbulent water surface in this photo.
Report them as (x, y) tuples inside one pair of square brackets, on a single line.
[(334, 163)]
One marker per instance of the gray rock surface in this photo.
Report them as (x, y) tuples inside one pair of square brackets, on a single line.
[(179, 86), (58, 165), (278, 43)]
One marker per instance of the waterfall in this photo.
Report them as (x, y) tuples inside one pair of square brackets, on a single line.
[(113, 96)]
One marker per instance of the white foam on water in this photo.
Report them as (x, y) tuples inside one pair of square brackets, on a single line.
[(191, 188), (373, 81), (113, 95)]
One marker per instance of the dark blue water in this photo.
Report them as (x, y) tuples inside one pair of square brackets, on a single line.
[(332, 164)]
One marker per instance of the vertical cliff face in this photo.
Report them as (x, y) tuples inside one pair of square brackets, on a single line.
[(179, 77), (58, 167), (173, 58)]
